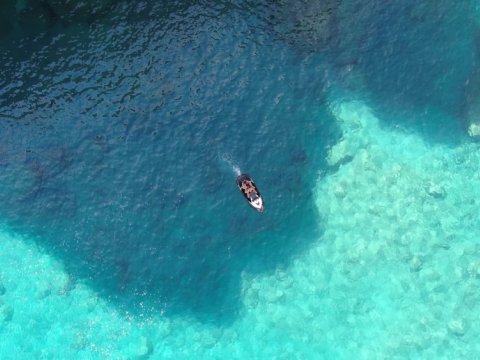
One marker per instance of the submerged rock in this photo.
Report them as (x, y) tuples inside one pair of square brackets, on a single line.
[(471, 102), (275, 295), (474, 130), (340, 154), (416, 264), (145, 349), (6, 313), (355, 121), (471, 106), (340, 191), (457, 327), (435, 190), (44, 289)]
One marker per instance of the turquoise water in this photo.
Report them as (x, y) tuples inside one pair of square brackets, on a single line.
[(123, 235)]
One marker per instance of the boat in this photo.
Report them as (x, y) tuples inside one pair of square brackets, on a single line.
[(250, 192)]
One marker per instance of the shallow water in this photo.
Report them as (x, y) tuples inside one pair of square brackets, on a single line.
[(114, 136)]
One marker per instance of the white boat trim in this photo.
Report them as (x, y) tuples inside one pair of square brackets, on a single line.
[(257, 204)]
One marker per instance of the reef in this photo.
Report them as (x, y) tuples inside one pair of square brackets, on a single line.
[(399, 218)]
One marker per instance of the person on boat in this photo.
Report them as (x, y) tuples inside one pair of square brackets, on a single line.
[(248, 187), (247, 183)]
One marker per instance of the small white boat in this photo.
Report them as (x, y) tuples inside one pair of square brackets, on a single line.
[(250, 191)]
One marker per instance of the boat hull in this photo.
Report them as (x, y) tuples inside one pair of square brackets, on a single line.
[(250, 191)]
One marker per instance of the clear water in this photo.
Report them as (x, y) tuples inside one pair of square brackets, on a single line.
[(123, 234)]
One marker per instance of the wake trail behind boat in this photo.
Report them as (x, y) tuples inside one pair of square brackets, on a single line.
[(228, 161)]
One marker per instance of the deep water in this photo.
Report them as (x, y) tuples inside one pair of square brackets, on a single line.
[(114, 130), (113, 155)]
